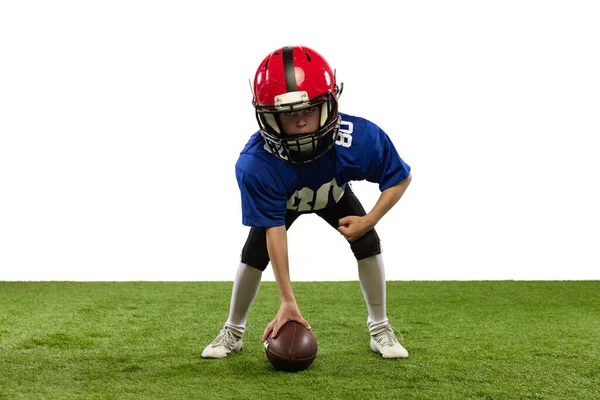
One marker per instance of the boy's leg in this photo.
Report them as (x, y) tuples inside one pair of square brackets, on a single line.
[(254, 260), (371, 273), (245, 288)]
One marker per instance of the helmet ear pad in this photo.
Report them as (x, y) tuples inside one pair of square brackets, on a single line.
[(271, 121), (324, 113)]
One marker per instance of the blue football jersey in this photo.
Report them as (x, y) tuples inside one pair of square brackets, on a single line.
[(270, 186)]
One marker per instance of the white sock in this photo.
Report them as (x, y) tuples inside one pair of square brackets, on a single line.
[(371, 273), (245, 288)]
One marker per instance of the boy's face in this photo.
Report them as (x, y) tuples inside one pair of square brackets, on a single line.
[(300, 122)]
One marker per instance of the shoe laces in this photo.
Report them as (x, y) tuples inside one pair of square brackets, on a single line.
[(385, 336), (225, 338)]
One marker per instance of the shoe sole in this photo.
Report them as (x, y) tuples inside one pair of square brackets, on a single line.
[(387, 358), (218, 358)]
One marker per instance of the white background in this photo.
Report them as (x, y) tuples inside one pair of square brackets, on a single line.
[(121, 121)]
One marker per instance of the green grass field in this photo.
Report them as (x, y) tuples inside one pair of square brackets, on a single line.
[(142, 340)]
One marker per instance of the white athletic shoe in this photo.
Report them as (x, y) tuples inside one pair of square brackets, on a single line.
[(385, 343), (226, 342)]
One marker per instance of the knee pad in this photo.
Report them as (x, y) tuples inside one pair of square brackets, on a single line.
[(254, 253), (255, 261), (367, 246)]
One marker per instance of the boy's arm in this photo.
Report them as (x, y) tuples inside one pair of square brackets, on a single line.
[(278, 253), (353, 227), (386, 201)]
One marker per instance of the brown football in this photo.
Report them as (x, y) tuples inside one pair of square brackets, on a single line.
[(294, 348)]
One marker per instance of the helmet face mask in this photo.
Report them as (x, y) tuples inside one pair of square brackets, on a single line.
[(292, 79)]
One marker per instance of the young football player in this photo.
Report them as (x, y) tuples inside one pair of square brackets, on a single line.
[(301, 160)]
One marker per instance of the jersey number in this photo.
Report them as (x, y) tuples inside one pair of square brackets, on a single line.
[(305, 196), (344, 137)]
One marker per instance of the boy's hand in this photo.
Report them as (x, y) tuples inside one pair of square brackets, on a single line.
[(353, 227), (287, 312)]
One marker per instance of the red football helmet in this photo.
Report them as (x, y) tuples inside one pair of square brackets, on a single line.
[(290, 79)]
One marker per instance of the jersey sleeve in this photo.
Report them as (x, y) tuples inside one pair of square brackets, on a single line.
[(264, 202), (381, 161)]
